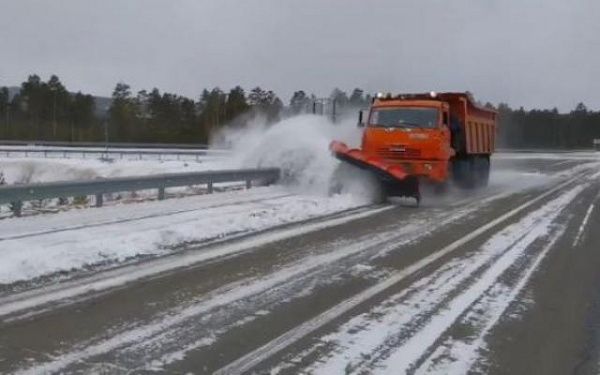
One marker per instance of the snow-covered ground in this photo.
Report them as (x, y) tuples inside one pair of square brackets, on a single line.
[(574, 155), (29, 170), (47, 244), (42, 245)]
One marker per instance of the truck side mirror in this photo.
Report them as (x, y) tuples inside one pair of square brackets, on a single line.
[(360, 124)]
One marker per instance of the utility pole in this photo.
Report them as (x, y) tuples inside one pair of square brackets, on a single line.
[(333, 111), (7, 120), (54, 113), (106, 138)]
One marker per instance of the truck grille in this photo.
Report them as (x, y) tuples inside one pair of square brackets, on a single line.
[(399, 153)]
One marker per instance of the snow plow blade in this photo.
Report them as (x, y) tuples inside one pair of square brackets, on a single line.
[(394, 178), (375, 164)]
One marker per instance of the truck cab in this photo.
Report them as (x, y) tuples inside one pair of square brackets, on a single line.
[(414, 133)]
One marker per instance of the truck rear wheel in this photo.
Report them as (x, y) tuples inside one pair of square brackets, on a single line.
[(471, 172), (463, 173), (483, 171)]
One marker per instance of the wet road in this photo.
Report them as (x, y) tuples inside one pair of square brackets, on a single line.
[(505, 280)]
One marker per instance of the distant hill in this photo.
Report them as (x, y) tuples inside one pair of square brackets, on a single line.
[(102, 102)]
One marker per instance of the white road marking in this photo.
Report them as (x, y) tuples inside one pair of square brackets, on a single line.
[(584, 222)]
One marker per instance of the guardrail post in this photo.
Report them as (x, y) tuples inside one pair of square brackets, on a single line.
[(248, 184), (99, 200), (161, 193), (209, 187), (16, 208)]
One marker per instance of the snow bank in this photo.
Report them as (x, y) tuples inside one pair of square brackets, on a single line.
[(34, 247), (29, 170), (566, 155)]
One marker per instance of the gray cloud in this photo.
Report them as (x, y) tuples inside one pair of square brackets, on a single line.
[(530, 52)]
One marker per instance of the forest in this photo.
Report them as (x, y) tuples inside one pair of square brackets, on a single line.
[(48, 111)]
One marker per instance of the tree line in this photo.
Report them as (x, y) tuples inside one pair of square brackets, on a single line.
[(45, 111), (547, 128), (48, 111)]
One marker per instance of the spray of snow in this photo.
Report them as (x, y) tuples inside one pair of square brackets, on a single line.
[(299, 146)]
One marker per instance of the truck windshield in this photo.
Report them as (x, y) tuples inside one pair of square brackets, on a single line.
[(404, 117)]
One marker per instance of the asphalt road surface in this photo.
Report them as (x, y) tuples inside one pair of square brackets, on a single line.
[(504, 280)]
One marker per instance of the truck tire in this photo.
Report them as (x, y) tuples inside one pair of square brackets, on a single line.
[(483, 171), (463, 173)]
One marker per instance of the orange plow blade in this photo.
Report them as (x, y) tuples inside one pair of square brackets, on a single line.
[(373, 163)]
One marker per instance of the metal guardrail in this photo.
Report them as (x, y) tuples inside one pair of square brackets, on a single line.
[(16, 194), (159, 154), (542, 150), (104, 144)]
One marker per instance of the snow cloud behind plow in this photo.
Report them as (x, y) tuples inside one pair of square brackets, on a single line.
[(299, 146)]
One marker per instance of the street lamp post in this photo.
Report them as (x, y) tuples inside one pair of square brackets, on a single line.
[(54, 113), (7, 120), (106, 139)]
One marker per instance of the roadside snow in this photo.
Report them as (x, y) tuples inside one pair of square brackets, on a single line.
[(29, 170), (568, 155), (37, 246)]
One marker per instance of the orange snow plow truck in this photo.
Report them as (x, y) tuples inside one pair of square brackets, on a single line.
[(433, 137)]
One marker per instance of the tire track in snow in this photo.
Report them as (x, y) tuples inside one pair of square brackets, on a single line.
[(410, 353), (419, 315), (255, 357), (458, 356)]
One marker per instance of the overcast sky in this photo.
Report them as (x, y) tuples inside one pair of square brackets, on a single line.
[(540, 53)]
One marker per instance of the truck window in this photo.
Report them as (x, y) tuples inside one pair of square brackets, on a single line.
[(404, 117)]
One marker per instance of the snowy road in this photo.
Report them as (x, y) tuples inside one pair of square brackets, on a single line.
[(503, 280)]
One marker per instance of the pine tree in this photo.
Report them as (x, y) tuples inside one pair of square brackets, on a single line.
[(236, 103), (4, 112), (356, 98), (122, 112), (81, 115), (299, 102)]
